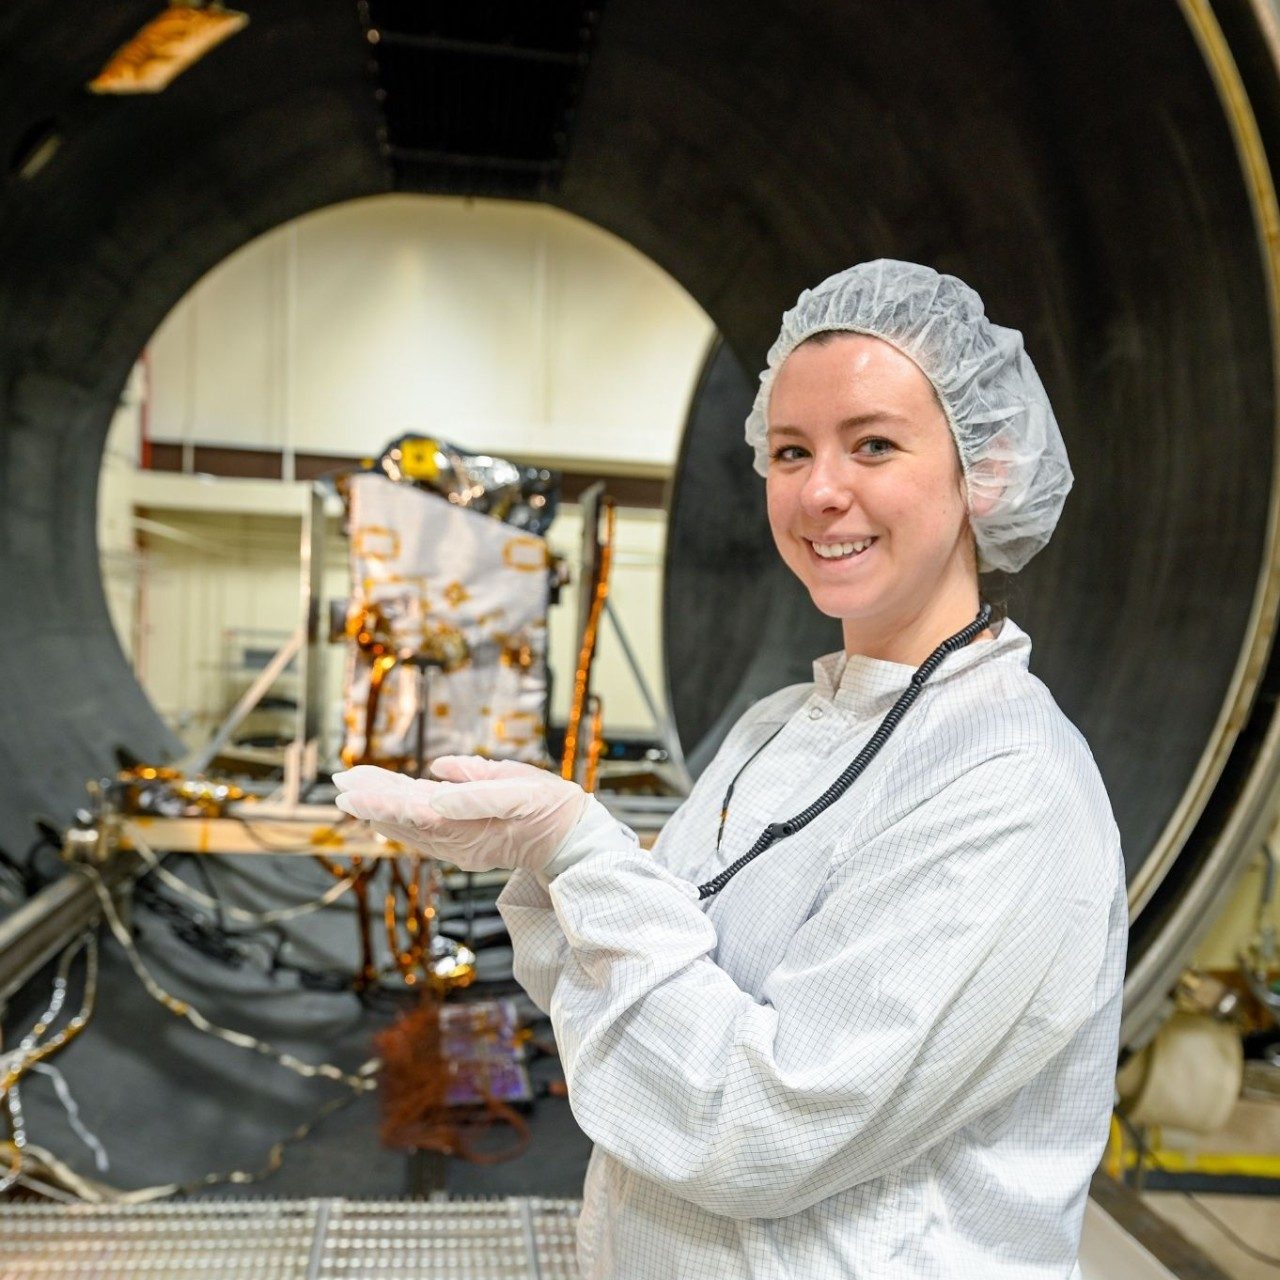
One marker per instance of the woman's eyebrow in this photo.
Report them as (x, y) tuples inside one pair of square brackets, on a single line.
[(856, 420)]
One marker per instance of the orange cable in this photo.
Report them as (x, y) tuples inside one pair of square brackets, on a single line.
[(582, 676)]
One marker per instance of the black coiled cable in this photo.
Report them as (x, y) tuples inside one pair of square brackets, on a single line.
[(776, 831)]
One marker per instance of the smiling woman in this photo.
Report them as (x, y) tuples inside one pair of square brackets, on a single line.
[(1016, 474), (866, 496), (808, 1058)]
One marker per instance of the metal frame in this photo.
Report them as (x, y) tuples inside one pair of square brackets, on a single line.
[(663, 720), (307, 645)]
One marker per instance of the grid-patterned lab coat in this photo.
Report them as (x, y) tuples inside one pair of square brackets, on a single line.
[(887, 1048)]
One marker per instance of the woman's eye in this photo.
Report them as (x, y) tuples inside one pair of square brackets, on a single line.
[(781, 453), (876, 440)]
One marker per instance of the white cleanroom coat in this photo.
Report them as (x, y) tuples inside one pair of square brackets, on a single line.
[(887, 1047)]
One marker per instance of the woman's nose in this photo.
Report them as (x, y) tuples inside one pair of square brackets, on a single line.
[(827, 486)]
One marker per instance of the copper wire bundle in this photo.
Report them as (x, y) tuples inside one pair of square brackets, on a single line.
[(419, 910), (414, 1087)]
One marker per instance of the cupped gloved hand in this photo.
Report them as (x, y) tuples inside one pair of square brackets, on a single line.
[(396, 804), (485, 814)]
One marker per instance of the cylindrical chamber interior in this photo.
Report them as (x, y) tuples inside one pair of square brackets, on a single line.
[(1075, 164)]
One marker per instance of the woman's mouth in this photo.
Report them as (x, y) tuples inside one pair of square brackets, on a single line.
[(839, 552)]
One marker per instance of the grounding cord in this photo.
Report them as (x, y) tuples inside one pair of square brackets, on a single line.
[(776, 831)]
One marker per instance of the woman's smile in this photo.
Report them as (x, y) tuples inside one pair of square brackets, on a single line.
[(832, 555)]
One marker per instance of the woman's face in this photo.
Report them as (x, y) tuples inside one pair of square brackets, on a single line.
[(860, 449)]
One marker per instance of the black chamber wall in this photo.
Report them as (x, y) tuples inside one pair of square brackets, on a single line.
[(1071, 162)]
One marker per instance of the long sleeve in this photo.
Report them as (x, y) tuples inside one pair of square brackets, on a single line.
[(538, 943), (539, 947), (950, 956)]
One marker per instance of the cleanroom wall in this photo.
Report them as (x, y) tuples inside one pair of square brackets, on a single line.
[(505, 327)]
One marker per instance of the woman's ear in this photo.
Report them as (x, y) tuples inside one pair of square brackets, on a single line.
[(987, 479)]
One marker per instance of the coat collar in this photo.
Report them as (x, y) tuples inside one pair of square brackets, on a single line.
[(861, 686)]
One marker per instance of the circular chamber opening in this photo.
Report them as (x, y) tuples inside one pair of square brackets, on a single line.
[(1099, 175), (497, 327)]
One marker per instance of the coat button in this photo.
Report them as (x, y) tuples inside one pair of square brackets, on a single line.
[(815, 713)]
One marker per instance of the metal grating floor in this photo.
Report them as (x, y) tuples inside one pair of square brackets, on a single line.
[(501, 1239)]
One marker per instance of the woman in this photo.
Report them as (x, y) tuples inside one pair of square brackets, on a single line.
[(883, 1045)]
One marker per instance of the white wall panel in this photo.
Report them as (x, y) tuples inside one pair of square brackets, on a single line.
[(504, 326), (217, 360), (624, 345), (207, 579), (413, 316)]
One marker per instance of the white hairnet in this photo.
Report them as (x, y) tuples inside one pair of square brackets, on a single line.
[(1011, 450)]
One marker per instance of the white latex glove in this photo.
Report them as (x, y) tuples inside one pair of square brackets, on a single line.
[(368, 780), (486, 814)]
